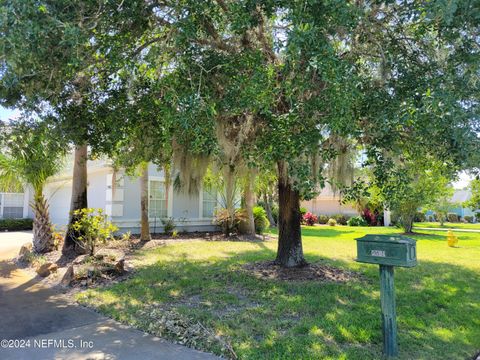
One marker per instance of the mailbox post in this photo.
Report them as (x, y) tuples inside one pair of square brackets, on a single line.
[(387, 251)]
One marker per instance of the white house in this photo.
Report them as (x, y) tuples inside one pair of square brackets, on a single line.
[(191, 212), (15, 205), (121, 202)]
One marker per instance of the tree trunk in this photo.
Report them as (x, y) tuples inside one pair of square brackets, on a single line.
[(249, 202), (229, 175), (290, 251), (145, 225), (268, 209), (79, 199), (408, 223), (43, 240)]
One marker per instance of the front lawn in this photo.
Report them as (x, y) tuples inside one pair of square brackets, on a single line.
[(448, 225), (438, 302)]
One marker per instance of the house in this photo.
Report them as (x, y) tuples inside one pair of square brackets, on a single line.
[(121, 201), (328, 203), (458, 199), (16, 205)]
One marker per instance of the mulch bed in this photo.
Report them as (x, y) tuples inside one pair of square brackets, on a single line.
[(311, 272), (207, 236)]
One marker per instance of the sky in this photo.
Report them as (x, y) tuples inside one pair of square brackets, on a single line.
[(463, 181), (6, 114)]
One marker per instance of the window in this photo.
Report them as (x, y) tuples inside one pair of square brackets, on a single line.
[(209, 203), (157, 206), (12, 206)]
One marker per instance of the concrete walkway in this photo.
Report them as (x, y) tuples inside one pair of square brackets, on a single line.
[(41, 324), (446, 229)]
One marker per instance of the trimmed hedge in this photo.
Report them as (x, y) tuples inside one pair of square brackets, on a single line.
[(332, 222), (16, 224), (322, 219)]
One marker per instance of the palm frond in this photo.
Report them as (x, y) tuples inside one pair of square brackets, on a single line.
[(10, 174)]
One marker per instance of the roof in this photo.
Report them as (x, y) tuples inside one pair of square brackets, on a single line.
[(92, 166), (460, 196)]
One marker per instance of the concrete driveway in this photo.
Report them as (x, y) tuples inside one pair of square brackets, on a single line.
[(10, 243), (38, 323)]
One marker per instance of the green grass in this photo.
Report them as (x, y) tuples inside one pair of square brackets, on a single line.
[(448, 225), (438, 302)]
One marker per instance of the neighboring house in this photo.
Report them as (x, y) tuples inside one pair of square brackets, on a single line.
[(458, 198), (121, 201), (328, 203), (16, 205)]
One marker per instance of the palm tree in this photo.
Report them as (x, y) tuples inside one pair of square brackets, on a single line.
[(30, 155)]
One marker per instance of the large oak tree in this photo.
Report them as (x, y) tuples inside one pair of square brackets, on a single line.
[(293, 84)]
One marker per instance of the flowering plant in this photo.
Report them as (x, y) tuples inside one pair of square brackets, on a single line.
[(309, 219)]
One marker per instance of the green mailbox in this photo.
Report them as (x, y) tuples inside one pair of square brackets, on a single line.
[(387, 250)]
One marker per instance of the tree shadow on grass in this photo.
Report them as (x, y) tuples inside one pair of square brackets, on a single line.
[(324, 232), (437, 306)]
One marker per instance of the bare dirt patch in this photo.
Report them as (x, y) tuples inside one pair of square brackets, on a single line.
[(312, 272)]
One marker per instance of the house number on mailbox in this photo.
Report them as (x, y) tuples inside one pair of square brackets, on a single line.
[(378, 253)]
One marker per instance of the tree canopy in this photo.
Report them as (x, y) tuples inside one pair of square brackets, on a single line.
[(288, 84)]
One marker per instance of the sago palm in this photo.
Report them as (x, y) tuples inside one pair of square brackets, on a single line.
[(30, 155)]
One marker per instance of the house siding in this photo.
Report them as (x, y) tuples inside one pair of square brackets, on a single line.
[(59, 194), (183, 208), (328, 203)]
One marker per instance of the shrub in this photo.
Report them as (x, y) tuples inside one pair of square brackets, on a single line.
[(58, 237), (356, 221), (332, 222), (452, 217), (168, 225), (420, 217), (468, 218), (369, 217), (16, 224), (94, 227), (275, 214), (341, 219), (303, 210), (222, 219), (261, 220), (322, 219), (309, 219)]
